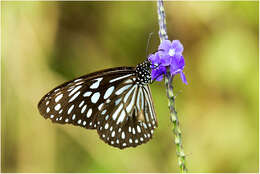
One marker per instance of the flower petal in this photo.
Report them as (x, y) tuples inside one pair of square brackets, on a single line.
[(174, 65), (183, 78), (157, 74), (159, 78), (181, 62), (176, 44), (152, 58), (153, 74), (165, 60), (165, 46)]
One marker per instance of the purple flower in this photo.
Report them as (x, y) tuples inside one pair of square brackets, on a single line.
[(169, 55), (158, 69)]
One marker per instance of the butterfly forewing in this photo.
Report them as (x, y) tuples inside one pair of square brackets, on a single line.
[(78, 101)]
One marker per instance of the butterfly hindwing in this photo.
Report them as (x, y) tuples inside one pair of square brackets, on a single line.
[(128, 119)]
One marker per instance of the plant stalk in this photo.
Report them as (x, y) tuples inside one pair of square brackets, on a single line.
[(181, 158)]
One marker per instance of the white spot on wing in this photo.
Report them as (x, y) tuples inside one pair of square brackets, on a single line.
[(142, 99), (108, 92), (58, 98), (57, 107), (113, 134), (70, 109), (77, 80), (128, 93), (103, 112), (100, 106), (96, 84), (86, 94), (89, 113), (121, 117), (133, 130), (106, 125), (56, 90), (121, 90), (138, 129), (144, 125), (118, 101), (95, 97), (149, 99), (74, 96), (119, 78), (128, 81), (114, 116), (74, 90), (123, 135), (81, 104), (138, 100), (84, 108), (78, 83), (131, 104)]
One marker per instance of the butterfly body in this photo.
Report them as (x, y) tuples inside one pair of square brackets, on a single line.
[(116, 102), (143, 73)]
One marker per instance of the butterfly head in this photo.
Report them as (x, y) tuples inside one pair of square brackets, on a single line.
[(143, 73)]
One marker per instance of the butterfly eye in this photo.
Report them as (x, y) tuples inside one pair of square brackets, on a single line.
[(114, 102)]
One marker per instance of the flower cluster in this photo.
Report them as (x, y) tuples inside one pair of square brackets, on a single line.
[(169, 56)]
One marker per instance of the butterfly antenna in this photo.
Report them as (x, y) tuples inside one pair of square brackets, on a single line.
[(148, 42)]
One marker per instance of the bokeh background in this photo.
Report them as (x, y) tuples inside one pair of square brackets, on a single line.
[(47, 43)]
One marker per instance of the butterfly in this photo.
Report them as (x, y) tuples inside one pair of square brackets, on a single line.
[(116, 102)]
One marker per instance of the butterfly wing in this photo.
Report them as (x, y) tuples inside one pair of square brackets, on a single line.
[(110, 101), (127, 118), (78, 101)]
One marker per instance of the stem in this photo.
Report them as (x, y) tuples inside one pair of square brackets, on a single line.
[(171, 98)]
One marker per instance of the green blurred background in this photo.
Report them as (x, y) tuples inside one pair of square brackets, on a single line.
[(47, 43)]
